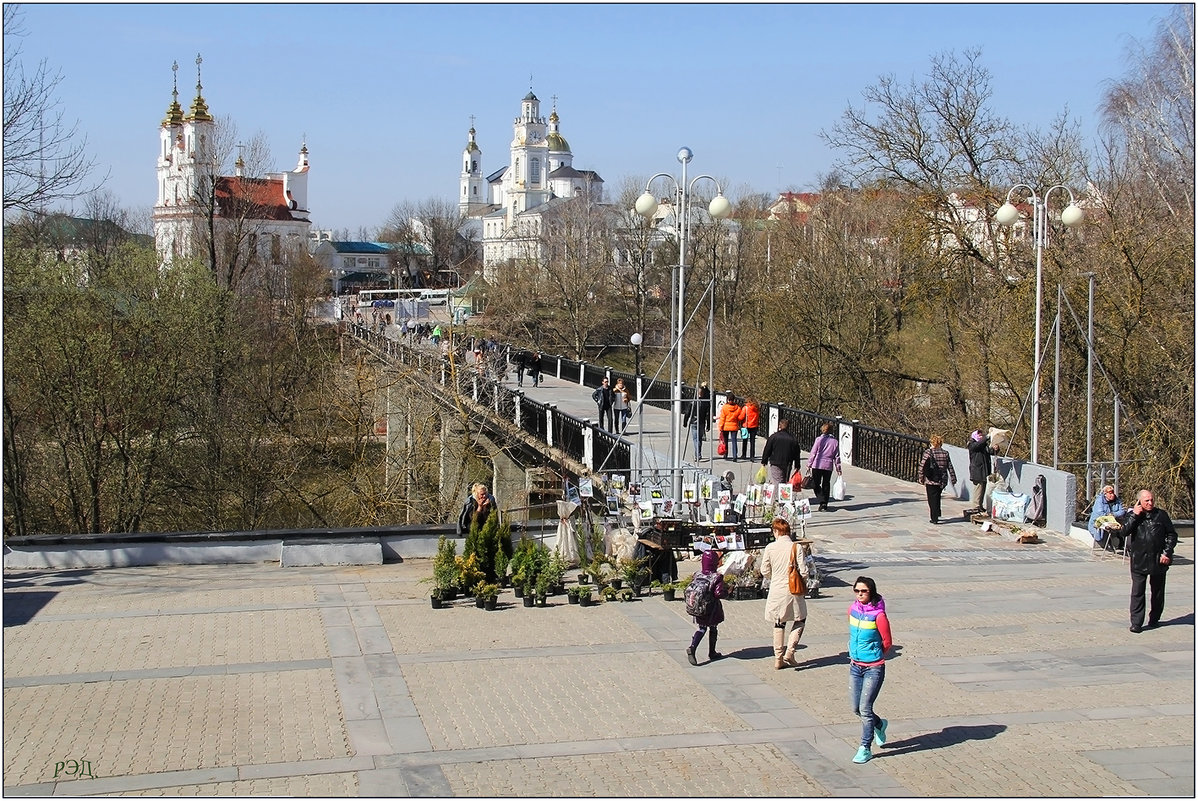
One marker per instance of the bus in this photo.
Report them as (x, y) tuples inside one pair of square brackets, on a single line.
[(393, 305)]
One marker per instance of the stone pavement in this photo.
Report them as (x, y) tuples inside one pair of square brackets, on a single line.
[(1014, 675)]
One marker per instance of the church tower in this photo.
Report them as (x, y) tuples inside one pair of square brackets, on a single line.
[(186, 167), (473, 187), (526, 184)]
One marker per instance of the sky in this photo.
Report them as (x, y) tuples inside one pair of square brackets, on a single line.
[(383, 94)]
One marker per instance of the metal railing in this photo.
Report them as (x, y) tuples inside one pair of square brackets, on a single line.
[(581, 440)]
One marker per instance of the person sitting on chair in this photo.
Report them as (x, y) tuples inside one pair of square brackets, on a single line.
[(1105, 517)]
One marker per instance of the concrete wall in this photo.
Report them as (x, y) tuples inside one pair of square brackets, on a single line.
[(1060, 487)]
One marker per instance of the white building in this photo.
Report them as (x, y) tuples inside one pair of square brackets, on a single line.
[(264, 217), (510, 200)]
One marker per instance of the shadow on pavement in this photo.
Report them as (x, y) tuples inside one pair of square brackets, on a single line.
[(21, 607), (949, 736)]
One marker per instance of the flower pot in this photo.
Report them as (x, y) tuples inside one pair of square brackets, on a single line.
[(584, 601), (542, 601), (490, 603), (518, 589), (617, 583), (527, 600), (479, 601), (449, 594), (668, 594), (436, 601), (573, 598)]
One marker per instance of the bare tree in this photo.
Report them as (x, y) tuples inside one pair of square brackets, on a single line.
[(45, 157)]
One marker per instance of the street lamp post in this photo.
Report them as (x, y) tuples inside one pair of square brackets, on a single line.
[(646, 205), (636, 339), (1007, 214)]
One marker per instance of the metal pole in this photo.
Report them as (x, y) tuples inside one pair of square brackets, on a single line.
[(1117, 443), (1056, 389), (1090, 390), (1038, 213), (684, 156)]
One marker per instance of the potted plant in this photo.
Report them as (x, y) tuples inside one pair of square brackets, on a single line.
[(746, 586), (572, 593), (444, 572), (598, 569), (609, 592), (635, 572), (486, 595), (469, 575), (626, 594), (555, 570), (655, 584), (542, 588), (501, 565)]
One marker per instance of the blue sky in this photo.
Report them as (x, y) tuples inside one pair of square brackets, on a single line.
[(384, 93)]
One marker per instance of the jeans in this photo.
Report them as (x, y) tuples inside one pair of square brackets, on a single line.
[(864, 684), (748, 447), (698, 437)]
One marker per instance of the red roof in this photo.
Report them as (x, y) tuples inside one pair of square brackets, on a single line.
[(252, 198)]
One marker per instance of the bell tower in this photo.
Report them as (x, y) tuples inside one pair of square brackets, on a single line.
[(472, 188)]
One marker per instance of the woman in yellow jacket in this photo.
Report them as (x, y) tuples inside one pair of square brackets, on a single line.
[(729, 426)]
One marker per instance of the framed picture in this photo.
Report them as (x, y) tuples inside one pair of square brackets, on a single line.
[(586, 487), (688, 493), (613, 505), (656, 494), (617, 481), (785, 492)]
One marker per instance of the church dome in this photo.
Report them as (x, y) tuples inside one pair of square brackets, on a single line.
[(557, 142)]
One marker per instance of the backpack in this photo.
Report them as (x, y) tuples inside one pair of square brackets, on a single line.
[(699, 595)]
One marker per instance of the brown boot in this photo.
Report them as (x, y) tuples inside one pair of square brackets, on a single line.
[(796, 634), (779, 647)]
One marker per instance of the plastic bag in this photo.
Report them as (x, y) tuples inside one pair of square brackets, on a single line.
[(838, 488), (761, 475), (744, 433)]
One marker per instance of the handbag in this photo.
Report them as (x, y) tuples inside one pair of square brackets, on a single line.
[(808, 481), (721, 449), (797, 585), (744, 433), (796, 479)]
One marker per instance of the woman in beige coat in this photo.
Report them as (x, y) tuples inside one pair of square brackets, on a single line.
[(780, 605)]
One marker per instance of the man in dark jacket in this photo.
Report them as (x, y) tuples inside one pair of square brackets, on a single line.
[(697, 418), (604, 398), (979, 468), (1149, 544), (781, 453)]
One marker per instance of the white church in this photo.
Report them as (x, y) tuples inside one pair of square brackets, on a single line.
[(266, 218), (511, 201)]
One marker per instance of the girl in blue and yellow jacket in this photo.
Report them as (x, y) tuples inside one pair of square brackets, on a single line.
[(869, 640)]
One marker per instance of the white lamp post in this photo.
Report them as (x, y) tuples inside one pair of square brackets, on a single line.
[(1007, 214), (719, 208), (636, 339)]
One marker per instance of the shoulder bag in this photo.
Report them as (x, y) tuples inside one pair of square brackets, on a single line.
[(797, 585)]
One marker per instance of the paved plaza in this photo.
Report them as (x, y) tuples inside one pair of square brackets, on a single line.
[(1014, 675)]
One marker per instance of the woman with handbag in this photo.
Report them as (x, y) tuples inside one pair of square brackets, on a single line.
[(729, 425), (781, 564), (935, 471), (825, 455)]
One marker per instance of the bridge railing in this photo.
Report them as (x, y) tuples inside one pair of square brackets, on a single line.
[(887, 452), (581, 440)]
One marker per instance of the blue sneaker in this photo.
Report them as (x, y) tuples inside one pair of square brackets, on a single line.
[(863, 755), (880, 733)]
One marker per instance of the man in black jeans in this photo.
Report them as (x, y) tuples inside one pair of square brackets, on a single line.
[(603, 399), (1150, 540), (781, 453)]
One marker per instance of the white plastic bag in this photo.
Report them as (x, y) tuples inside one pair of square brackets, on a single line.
[(838, 488)]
